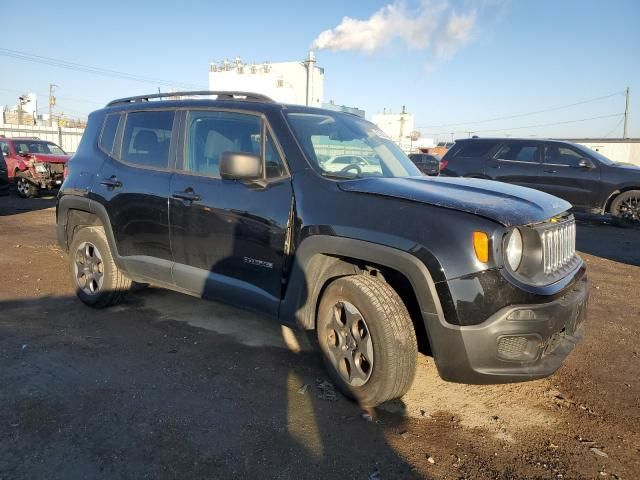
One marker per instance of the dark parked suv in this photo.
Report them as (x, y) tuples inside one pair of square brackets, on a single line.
[(585, 178), (227, 199)]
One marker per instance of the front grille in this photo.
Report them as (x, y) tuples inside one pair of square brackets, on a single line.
[(512, 347), (558, 245)]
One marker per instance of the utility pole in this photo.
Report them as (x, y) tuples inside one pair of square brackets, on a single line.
[(402, 120), (52, 101), (626, 112)]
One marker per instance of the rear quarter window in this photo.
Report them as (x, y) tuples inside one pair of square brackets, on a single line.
[(474, 149), (109, 129)]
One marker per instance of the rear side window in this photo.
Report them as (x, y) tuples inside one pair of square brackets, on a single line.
[(146, 138), (520, 152), (474, 149), (109, 129)]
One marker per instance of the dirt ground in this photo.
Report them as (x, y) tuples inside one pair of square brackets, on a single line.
[(169, 386)]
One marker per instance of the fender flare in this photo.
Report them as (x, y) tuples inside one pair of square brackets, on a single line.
[(69, 203), (312, 267)]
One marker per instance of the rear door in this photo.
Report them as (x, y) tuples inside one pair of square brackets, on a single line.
[(563, 176), (516, 162), (227, 236), (133, 186)]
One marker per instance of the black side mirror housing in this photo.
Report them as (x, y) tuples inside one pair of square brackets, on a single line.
[(240, 166), (586, 163)]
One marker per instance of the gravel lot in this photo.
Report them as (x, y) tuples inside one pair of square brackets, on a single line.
[(169, 386)]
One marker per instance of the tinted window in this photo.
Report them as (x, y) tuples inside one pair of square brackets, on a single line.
[(146, 139), (109, 132), (274, 165), (211, 133), (518, 151), (4, 146), (474, 149), (563, 156)]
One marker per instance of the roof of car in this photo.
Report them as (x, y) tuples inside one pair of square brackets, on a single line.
[(510, 139), (232, 100)]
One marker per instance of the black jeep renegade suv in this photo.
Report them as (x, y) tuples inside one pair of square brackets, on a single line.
[(229, 199)]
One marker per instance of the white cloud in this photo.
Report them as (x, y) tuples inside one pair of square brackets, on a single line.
[(429, 25)]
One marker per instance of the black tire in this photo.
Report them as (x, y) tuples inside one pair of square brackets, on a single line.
[(387, 324), (24, 187), (98, 281), (625, 208)]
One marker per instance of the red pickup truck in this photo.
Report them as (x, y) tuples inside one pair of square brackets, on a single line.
[(33, 164)]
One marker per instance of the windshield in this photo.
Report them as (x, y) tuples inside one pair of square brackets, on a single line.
[(593, 153), (29, 146), (346, 146)]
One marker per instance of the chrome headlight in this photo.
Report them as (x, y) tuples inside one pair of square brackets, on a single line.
[(513, 249)]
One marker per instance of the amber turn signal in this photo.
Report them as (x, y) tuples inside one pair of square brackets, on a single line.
[(481, 246)]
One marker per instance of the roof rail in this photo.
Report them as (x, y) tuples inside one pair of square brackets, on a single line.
[(221, 95)]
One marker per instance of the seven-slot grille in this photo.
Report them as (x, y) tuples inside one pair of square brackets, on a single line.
[(558, 245)]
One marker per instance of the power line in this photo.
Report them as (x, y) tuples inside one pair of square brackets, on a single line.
[(526, 114), (615, 128), (78, 67), (528, 126)]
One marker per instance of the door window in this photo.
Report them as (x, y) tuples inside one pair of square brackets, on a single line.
[(274, 165), (4, 147), (519, 152), (146, 139), (210, 134), (474, 149), (560, 155)]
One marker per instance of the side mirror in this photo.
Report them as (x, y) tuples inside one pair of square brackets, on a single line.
[(240, 166), (586, 163)]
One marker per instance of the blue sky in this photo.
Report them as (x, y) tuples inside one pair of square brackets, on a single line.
[(513, 57)]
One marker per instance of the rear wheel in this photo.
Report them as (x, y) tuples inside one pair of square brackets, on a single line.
[(25, 188), (626, 208), (367, 338), (97, 279)]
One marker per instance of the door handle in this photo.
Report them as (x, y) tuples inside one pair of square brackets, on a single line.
[(187, 195), (494, 166), (111, 182), (551, 171)]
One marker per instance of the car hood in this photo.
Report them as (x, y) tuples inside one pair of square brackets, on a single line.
[(50, 158), (626, 166), (501, 202)]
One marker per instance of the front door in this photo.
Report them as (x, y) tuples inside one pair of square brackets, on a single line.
[(133, 186), (563, 176), (516, 162), (228, 237)]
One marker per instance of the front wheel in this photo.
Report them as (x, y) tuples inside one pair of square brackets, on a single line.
[(367, 339), (25, 188), (625, 208)]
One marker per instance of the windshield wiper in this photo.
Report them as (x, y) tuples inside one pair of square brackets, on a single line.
[(341, 176)]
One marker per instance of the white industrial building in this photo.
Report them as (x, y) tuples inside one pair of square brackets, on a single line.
[(299, 83), (400, 127)]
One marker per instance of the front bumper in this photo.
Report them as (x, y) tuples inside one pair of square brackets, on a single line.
[(519, 342)]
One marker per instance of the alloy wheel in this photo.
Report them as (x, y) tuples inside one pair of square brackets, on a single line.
[(629, 209), (89, 268), (349, 343)]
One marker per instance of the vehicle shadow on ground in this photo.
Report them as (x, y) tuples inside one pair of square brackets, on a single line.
[(168, 386), (600, 237), (12, 204)]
